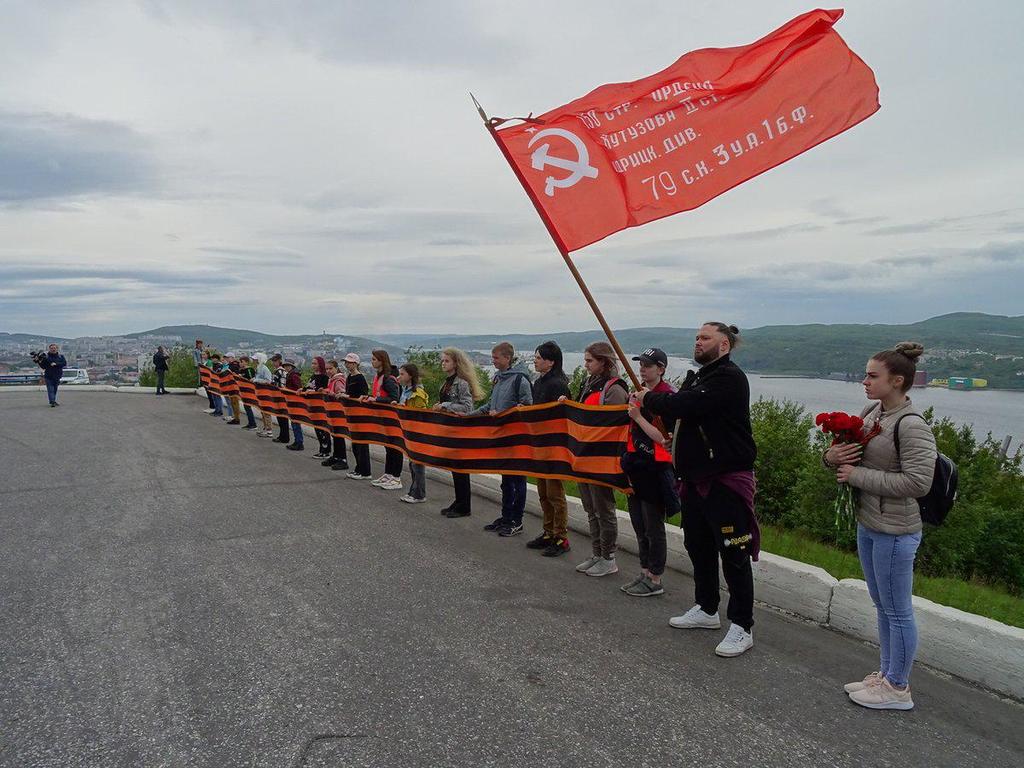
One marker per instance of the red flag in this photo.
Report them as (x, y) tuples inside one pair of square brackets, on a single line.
[(629, 153)]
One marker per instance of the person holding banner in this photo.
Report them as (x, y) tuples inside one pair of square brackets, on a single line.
[(280, 376), (602, 387), (213, 360), (318, 382), (385, 389), (263, 376), (414, 396), (293, 381), (713, 452), (248, 372), (511, 387), (648, 464), (357, 387), (458, 393), (338, 458), (548, 388)]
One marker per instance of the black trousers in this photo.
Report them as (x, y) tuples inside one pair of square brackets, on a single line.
[(340, 452), (648, 520), (361, 452), (393, 461), (323, 437), (463, 495), (282, 424), (713, 527), (160, 380)]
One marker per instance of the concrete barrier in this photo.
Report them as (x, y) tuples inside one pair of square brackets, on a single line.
[(964, 644), (125, 388)]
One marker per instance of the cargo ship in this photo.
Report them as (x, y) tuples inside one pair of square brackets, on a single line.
[(959, 383)]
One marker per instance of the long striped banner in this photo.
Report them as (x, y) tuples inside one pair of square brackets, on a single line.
[(565, 441)]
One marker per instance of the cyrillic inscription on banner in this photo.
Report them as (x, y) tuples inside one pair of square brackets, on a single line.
[(630, 153)]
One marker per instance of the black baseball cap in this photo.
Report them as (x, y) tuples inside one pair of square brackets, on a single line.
[(653, 355)]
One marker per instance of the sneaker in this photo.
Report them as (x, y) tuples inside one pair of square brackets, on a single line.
[(605, 566), (632, 583), (249, 426), (446, 510), (280, 439), (589, 563), (556, 547), (393, 484), (457, 512), (872, 679), (540, 542), (646, 587), (296, 447), (357, 476), (496, 525), (208, 410), (411, 499), (380, 480), (265, 434), (339, 465), (736, 641), (512, 529), (695, 618), (883, 696), (232, 421), (321, 455)]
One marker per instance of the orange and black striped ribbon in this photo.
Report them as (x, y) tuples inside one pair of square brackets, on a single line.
[(565, 441)]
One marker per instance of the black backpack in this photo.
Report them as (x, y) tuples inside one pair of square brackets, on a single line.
[(935, 504)]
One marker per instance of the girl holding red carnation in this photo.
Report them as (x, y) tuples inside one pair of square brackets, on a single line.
[(888, 517)]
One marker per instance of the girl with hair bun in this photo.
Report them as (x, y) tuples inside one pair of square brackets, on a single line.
[(888, 516)]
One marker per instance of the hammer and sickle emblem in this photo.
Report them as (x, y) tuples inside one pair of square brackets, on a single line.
[(578, 168)]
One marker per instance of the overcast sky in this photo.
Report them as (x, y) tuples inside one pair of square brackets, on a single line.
[(298, 166)]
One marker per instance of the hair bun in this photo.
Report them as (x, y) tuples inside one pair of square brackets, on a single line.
[(910, 349), (734, 329)]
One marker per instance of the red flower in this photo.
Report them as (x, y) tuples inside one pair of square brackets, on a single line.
[(820, 419)]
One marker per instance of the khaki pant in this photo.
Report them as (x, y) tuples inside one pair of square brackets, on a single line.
[(599, 501), (552, 501), (236, 406), (268, 421)]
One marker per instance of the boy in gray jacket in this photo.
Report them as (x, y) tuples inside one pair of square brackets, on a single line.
[(511, 387)]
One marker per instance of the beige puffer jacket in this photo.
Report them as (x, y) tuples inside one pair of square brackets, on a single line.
[(888, 487)]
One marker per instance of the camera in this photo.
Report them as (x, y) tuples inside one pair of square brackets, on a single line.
[(37, 355)]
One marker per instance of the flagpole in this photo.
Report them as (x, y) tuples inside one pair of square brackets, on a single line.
[(561, 248)]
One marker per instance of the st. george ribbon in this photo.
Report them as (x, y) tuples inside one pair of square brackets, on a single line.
[(627, 154)]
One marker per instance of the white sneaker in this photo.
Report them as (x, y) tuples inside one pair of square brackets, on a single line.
[(587, 564), (603, 567), (695, 618), (392, 484), (737, 640), (356, 476), (380, 480), (411, 499), (208, 410)]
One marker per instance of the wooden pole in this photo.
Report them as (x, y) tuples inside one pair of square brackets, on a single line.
[(561, 248)]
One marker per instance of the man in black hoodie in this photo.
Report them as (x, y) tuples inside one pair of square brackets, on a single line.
[(713, 453)]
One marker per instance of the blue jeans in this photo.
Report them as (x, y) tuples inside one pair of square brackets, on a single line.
[(513, 497), (250, 416), (51, 389), (227, 407), (297, 433), (888, 563)]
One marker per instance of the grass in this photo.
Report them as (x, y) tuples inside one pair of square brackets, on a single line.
[(970, 596)]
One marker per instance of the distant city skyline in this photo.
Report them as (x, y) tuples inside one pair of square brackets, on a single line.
[(246, 165)]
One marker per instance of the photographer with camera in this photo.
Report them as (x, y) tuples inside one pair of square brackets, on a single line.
[(52, 362)]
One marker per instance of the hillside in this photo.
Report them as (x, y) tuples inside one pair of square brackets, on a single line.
[(225, 338)]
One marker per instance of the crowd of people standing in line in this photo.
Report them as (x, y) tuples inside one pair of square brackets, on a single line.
[(688, 450)]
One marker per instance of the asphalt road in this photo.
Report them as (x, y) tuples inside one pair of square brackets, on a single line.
[(174, 592)]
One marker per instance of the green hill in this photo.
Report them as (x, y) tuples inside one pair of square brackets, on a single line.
[(225, 338)]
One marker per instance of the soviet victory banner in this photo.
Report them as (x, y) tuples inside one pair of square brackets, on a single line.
[(629, 153)]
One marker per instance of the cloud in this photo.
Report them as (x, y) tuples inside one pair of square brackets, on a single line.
[(254, 257), (384, 32), (45, 156)]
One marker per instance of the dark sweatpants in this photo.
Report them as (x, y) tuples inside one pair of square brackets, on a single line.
[(713, 527)]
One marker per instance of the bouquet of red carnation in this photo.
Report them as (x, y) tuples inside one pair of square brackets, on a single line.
[(845, 428)]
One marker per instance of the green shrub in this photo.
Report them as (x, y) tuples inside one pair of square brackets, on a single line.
[(181, 370)]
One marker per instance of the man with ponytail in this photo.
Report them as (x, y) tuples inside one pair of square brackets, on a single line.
[(713, 454)]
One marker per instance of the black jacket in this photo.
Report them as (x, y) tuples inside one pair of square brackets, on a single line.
[(160, 362), (713, 435), (549, 387), (53, 366)]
